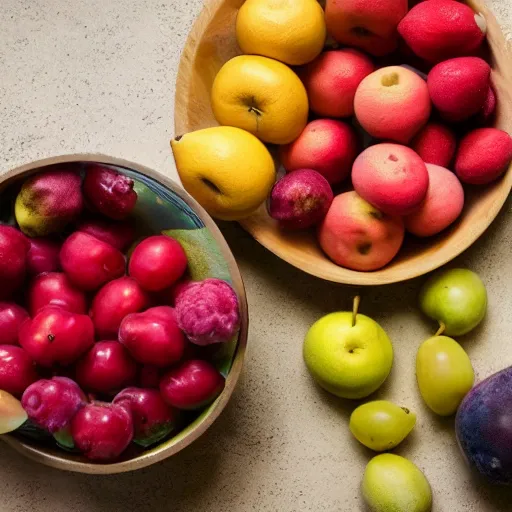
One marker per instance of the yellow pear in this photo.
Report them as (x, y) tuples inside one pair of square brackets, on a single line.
[(292, 31), (260, 95), (227, 170)]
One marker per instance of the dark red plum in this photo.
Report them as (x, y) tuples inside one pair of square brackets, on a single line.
[(56, 336), (11, 318), (17, 369), (43, 256), (157, 262), (90, 263), (120, 234), (14, 247), (55, 289), (102, 431), (106, 367), (484, 427), (192, 385), (109, 192), (152, 418), (153, 337), (52, 403), (300, 199), (113, 302)]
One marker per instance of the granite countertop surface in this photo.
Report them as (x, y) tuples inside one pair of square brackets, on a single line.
[(98, 76)]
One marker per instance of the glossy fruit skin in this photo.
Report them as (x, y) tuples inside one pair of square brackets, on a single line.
[(102, 431), (56, 337), (118, 234), (394, 484), (90, 263), (457, 297), (105, 368), (17, 370), (43, 256), (55, 289), (153, 337), (192, 385), (113, 302), (157, 262), (362, 368), (484, 427), (381, 425), (152, 418), (207, 311), (14, 247), (11, 318), (109, 192), (51, 404), (444, 374)]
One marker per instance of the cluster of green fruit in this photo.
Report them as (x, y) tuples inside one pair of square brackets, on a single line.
[(350, 355)]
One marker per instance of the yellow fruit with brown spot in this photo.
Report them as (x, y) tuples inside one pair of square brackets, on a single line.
[(227, 170), (292, 31), (260, 95)]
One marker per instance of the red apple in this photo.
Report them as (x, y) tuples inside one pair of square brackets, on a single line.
[(113, 302), (55, 289), (90, 263), (107, 367), (17, 370), (56, 336), (153, 337), (11, 318), (43, 256), (14, 247)]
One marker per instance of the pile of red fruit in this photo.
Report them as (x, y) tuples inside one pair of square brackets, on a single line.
[(427, 125), (101, 352)]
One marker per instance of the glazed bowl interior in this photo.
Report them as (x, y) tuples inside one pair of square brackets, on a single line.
[(212, 42), (162, 206)]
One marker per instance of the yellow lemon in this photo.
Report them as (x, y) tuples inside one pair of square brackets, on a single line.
[(260, 95), (292, 31), (227, 170)]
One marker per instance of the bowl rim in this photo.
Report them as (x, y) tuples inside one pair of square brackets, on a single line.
[(297, 256), (160, 452)]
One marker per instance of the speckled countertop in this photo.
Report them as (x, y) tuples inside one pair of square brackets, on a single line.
[(98, 76)]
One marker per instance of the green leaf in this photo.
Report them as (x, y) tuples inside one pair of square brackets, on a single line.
[(203, 254)]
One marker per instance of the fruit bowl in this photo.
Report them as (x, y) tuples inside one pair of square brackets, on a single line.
[(212, 42), (161, 205)]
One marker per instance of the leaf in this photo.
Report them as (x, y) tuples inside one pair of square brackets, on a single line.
[(203, 254)]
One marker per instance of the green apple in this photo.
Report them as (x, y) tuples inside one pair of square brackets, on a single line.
[(456, 298), (394, 484), (348, 354)]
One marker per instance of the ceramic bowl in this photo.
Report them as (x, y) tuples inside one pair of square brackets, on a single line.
[(212, 42), (161, 205)]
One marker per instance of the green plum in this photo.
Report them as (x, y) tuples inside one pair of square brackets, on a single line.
[(381, 425), (444, 374), (456, 298), (394, 484)]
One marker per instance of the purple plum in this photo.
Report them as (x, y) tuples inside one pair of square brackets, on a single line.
[(300, 199), (484, 427)]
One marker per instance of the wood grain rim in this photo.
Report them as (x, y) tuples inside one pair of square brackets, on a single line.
[(217, 12), (157, 454)]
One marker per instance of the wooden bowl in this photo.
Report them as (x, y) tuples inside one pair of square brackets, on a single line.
[(212, 42), (162, 204)]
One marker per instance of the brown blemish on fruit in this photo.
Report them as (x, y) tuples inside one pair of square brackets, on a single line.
[(364, 248), (393, 158), (376, 214), (390, 79)]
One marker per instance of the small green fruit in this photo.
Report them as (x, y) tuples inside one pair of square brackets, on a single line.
[(12, 414), (381, 425), (456, 298), (444, 374), (348, 354), (394, 484)]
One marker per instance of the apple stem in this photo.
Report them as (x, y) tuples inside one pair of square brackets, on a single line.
[(355, 307), (441, 329)]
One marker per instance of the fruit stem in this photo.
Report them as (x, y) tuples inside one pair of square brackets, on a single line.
[(441, 329), (355, 307)]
